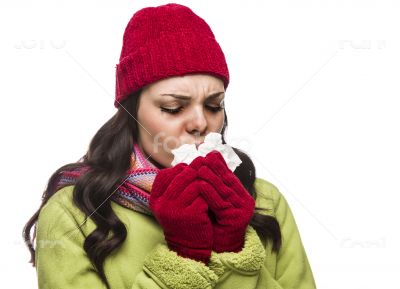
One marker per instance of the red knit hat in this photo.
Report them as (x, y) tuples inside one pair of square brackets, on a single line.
[(163, 41)]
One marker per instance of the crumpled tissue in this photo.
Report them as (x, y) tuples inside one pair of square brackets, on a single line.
[(186, 153)]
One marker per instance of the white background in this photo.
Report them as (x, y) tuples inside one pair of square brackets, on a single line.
[(313, 99)]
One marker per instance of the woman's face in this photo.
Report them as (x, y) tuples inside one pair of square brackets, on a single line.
[(178, 110)]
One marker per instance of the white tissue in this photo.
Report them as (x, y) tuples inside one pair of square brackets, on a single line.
[(186, 153)]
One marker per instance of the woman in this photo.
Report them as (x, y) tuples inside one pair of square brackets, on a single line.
[(124, 217)]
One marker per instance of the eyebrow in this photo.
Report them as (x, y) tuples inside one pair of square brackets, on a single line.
[(185, 97)]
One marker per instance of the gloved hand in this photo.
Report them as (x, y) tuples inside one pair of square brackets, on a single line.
[(181, 211), (230, 202)]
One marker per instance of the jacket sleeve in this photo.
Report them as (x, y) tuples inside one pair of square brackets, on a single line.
[(61, 261), (164, 267), (256, 266), (292, 268), (169, 270)]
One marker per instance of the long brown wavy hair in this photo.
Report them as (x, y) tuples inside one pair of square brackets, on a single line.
[(108, 156)]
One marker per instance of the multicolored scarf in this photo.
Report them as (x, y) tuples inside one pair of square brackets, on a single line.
[(134, 192)]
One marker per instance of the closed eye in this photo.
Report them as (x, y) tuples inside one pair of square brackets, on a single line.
[(213, 109)]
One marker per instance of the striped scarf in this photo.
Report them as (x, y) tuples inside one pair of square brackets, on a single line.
[(134, 192)]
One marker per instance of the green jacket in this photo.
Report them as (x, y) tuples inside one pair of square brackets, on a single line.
[(144, 260)]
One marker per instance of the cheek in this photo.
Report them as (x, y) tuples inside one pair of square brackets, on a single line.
[(158, 135), (215, 123)]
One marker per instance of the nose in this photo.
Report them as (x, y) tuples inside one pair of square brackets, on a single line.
[(197, 123)]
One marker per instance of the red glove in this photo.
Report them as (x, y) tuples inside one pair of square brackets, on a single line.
[(230, 202), (182, 212)]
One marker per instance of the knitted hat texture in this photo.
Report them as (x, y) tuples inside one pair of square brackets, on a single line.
[(164, 41)]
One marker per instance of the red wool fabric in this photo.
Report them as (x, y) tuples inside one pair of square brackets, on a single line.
[(182, 212), (164, 41), (229, 201)]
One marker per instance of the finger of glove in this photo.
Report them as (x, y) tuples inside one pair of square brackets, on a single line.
[(236, 185), (163, 179), (197, 163), (180, 183), (199, 206), (184, 211), (189, 196), (215, 202), (215, 161), (222, 189)]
